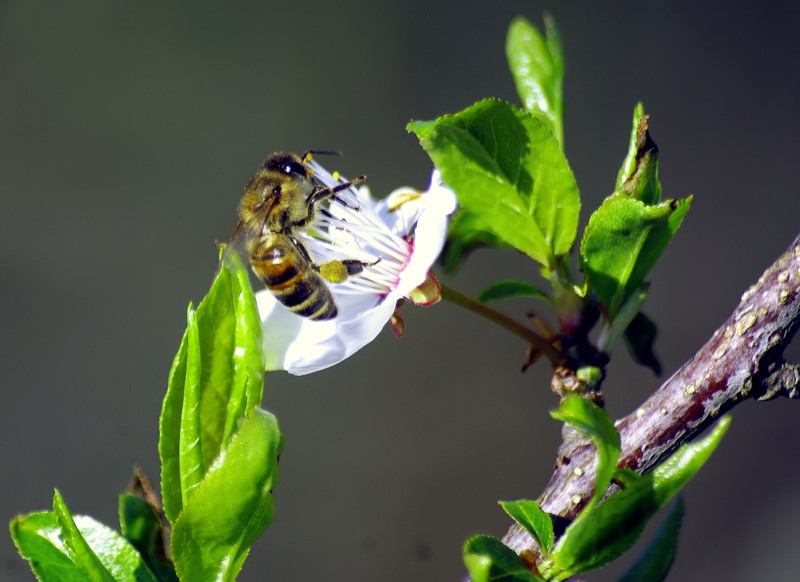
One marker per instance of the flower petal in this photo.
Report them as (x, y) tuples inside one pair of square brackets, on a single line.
[(431, 230), (302, 346), (415, 224)]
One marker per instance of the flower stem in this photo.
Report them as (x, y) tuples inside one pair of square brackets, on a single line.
[(504, 321)]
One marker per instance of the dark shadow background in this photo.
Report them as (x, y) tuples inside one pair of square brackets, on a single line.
[(128, 131)]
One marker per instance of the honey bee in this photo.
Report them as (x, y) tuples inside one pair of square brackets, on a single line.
[(278, 202)]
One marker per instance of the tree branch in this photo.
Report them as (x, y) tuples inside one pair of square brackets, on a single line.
[(743, 359)]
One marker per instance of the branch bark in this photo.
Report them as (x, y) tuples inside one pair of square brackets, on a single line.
[(743, 359)]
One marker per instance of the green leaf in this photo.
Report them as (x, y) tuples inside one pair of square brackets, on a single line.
[(627, 234), (506, 167), (479, 567), (623, 240), (36, 536), (508, 289), (608, 530), (219, 453), (230, 347), (216, 378), (170, 422), (593, 421), (670, 476), (189, 436), (142, 528), (76, 544), (232, 505), (654, 563), (63, 548), (488, 559), (137, 521), (640, 338), (537, 65), (116, 554), (466, 233), (629, 163), (642, 183), (535, 521)]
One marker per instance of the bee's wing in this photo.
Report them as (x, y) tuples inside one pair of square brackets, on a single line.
[(254, 210), (238, 241)]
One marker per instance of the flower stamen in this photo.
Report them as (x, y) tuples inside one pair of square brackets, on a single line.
[(348, 228)]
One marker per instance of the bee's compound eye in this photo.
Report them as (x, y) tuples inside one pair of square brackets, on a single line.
[(294, 168), (276, 190)]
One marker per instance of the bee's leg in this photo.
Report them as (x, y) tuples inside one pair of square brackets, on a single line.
[(355, 267), (329, 214), (323, 193), (339, 271), (304, 253), (344, 203), (334, 271)]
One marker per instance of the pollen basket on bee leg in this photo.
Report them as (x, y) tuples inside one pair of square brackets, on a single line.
[(333, 271)]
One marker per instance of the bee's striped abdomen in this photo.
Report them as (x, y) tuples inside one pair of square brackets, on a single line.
[(294, 283)]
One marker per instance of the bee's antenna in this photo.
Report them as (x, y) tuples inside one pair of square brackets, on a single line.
[(306, 157)]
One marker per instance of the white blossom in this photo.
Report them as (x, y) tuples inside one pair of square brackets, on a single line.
[(399, 238)]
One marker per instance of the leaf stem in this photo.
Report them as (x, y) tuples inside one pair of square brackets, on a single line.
[(504, 321)]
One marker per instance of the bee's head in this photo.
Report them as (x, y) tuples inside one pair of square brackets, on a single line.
[(282, 181), (290, 165)]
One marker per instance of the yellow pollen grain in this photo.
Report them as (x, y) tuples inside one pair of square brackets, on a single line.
[(577, 471), (576, 499), (333, 271)]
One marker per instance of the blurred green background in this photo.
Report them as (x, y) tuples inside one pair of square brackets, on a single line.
[(127, 131)]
